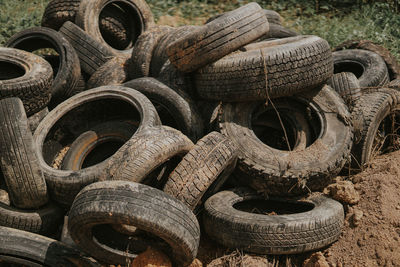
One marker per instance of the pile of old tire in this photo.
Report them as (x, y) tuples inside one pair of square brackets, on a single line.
[(122, 133)]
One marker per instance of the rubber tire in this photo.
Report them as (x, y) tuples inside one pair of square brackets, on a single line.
[(57, 12), (369, 111), (113, 72), (36, 118), (347, 86), (391, 62), (293, 65), (142, 52), (120, 131), (218, 38), (21, 171), (64, 185), (147, 208), (278, 31), (34, 86), (44, 220), (266, 234), (272, 17), (35, 250), (69, 70), (88, 19), (395, 84), (92, 54), (374, 71), (279, 172), (203, 171), (145, 152), (179, 106)]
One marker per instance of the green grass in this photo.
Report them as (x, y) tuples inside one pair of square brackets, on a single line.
[(336, 22)]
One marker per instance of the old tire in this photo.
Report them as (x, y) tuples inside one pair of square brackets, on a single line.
[(316, 227), (57, 12), (28, 249), (146, 208), (177, 110), (65, 184), (203, 170), (218, 38), (92, 54), (347, 86), (277, 31), (113, 72), (68, 72), (36, 118), (27, 76), (19, 164), (292, 65), (137, 11), (368, 66), (395, 84), (375, 118), (283, 172)]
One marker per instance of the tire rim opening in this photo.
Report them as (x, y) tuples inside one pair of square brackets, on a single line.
[(10, 70), (387, 138), (349, 66), (273, 207), (101, 152)]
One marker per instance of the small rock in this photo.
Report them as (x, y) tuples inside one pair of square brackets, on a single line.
[(343, 191), (316, 259), (151, 258), (357, 215)]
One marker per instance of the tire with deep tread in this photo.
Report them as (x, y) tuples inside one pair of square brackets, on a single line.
[(290, 65), (31, 78), (347, 86), (19, 164), (144, 207), (218, 38), (203, 170), (92, 54), (266, 234), (175, 106), (369, 67), (21, 247), (68, 70), (65, 184), (57, 12), (113, 72), (280, 172), (369, 112)]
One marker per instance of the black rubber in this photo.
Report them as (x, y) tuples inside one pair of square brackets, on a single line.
[(19, 164), (92, 54), (348, 87), (203, 170), (316, 225), (177, 110), (146, 208), (113, 72), (271, 69), (218, 38), (27, 76), (68, 69), (373, 123), (137, 12), (369, 67), (36, 118), (77, 115), (28, 249), (57, 12), (111, 135), (284, 172)]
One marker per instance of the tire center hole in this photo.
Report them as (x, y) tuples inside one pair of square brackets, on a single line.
[(349, 66), (273, 207), (387, 138), (10, 71), (101, 152)]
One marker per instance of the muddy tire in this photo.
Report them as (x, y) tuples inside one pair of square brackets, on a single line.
[(138, 12), (368, 66), (283, 172), (92, 54), (347, 86), (374, 125), (218, 38), (28, 249), (65, 184), (139, 159), (18, 161), (68, 72), (142, 52), (203, 170), (26, 76), (391, 62), (241, 76), (113, 72), (177, 110), (313, 229), (114, 133), (146, 208)]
